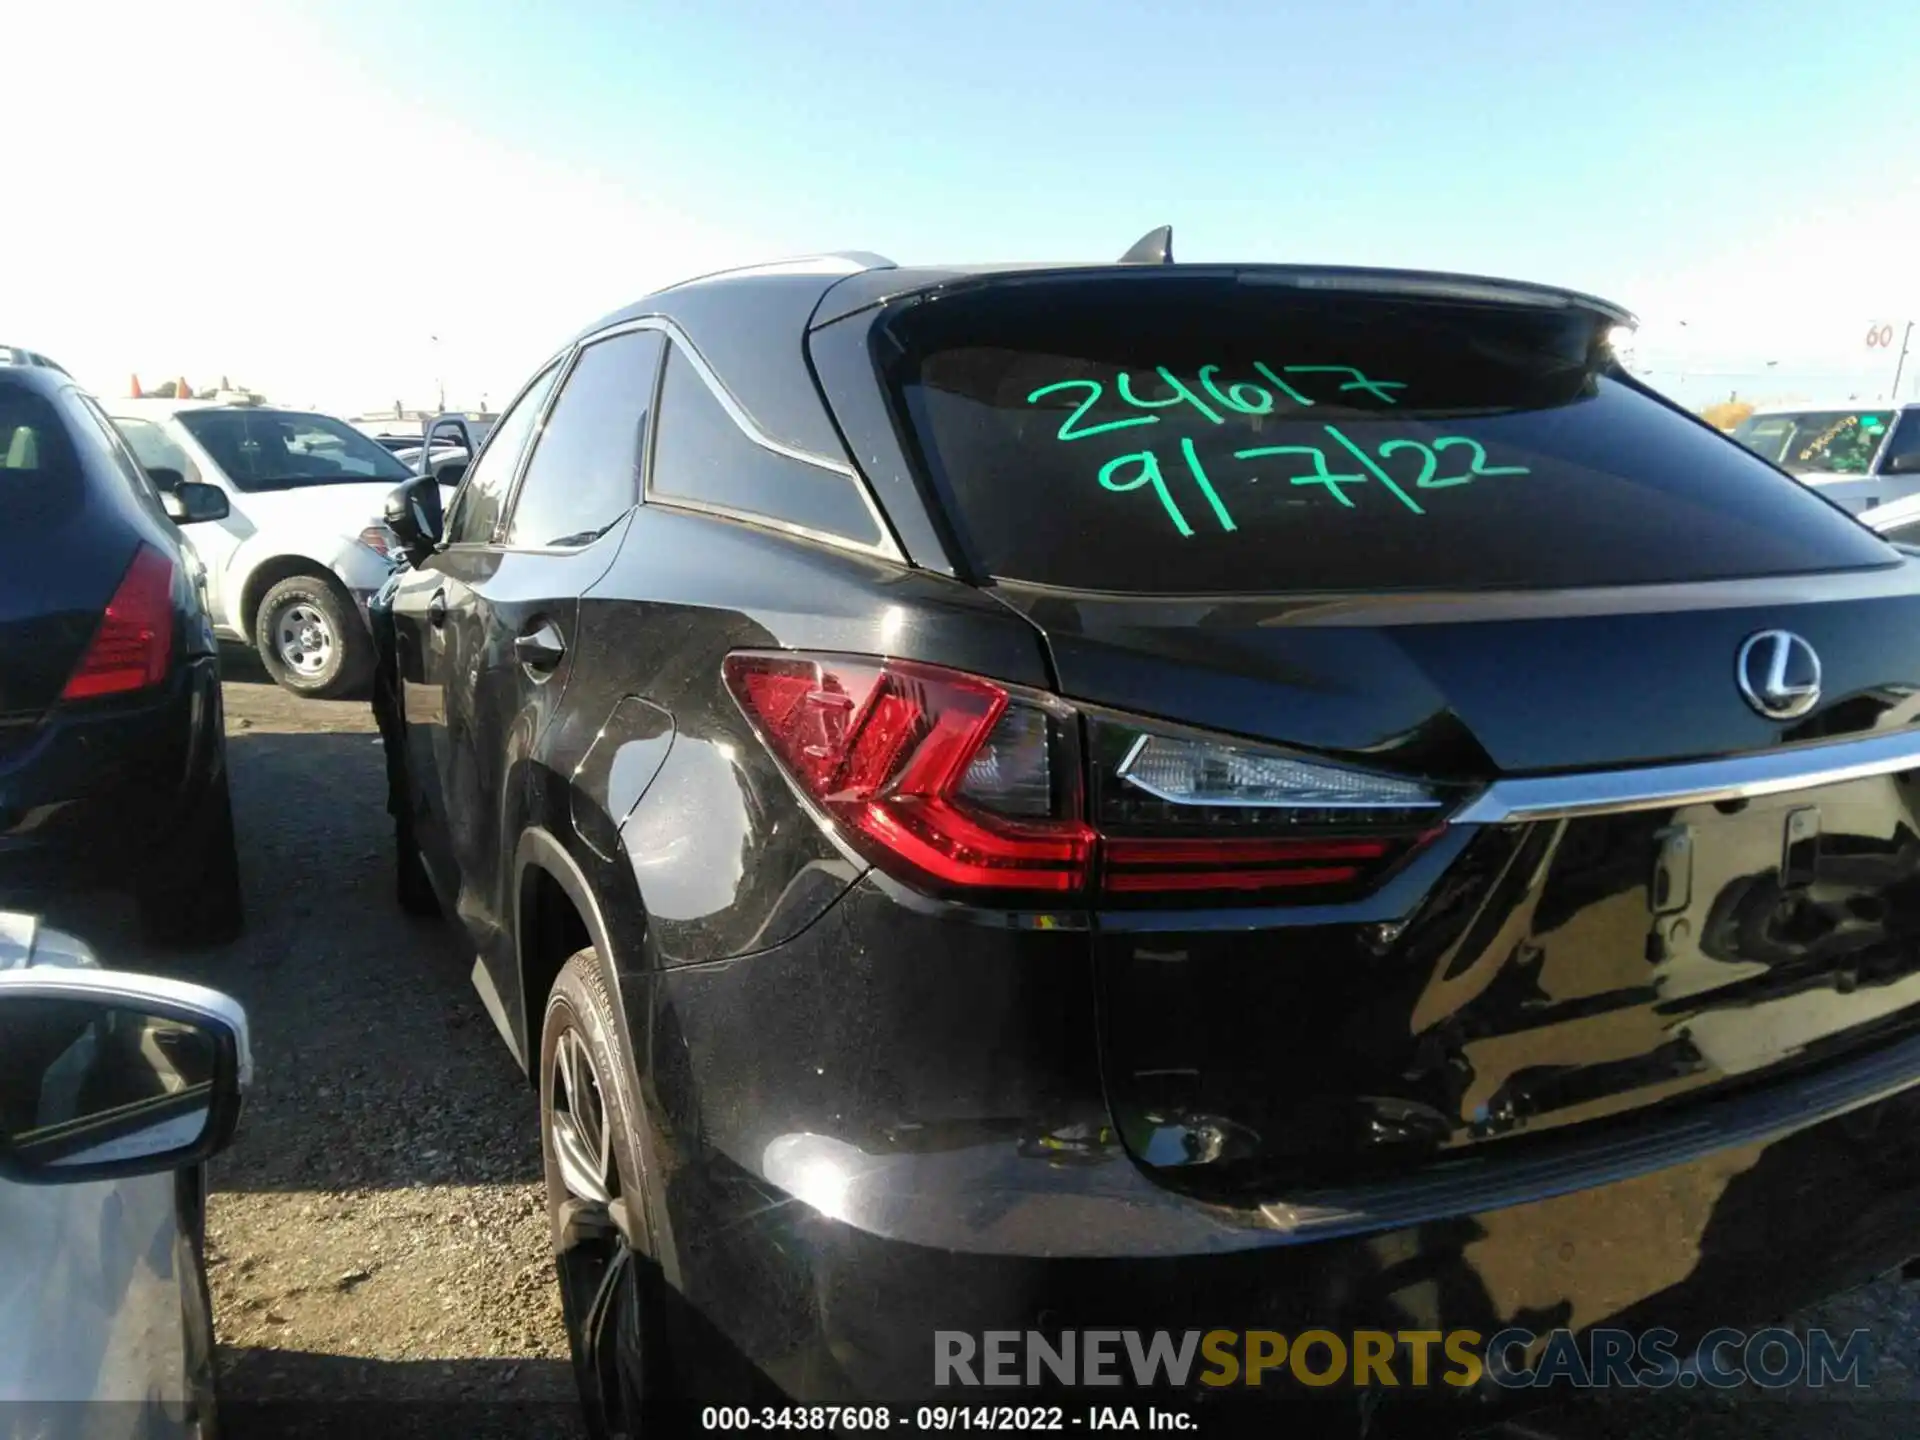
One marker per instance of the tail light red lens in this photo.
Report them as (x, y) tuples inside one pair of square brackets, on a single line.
[(133, 645), (954, 782), (909, 759)]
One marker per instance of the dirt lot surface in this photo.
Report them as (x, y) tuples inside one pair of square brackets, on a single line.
[(377, 1236), (378, 1246)]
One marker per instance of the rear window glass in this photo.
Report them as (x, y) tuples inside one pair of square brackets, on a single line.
[(1192, 435)]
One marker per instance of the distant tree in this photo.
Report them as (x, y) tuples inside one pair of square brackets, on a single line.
[(1726, 414), (167, 390)]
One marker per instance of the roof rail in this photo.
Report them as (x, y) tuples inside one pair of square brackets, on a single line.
[(839, 262)]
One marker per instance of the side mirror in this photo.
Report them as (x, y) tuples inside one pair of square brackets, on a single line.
[(165, 478), (413, 514), (451, 473), (106, 1074), (191, 502), (1907, 464)]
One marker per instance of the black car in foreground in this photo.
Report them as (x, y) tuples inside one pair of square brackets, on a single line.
[(112, 749), (1161, 797)]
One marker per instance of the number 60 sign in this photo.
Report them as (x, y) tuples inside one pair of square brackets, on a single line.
[(1879, 337)]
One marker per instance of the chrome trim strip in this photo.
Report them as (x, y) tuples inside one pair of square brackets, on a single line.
[(768, 522), (888, 547), (1705, 782)]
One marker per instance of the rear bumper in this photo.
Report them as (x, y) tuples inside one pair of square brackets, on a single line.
[(99, 787), (896, 1126)]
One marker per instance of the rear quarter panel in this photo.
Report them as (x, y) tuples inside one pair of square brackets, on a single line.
[(725, 859)]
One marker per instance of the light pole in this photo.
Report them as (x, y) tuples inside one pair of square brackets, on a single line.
[(439, 378), (1901, 364)]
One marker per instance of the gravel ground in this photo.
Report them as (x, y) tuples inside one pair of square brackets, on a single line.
[(377, 1235)]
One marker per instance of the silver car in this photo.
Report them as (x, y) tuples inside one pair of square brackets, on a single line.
[(114, 1090)]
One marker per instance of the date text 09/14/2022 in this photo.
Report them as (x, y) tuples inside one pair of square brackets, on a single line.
[(943, 1419), (1208, 400)]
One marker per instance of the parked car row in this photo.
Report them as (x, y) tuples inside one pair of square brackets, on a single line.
[(1138, 796)]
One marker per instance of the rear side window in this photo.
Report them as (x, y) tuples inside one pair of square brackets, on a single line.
[(585, 470), (1208, 434), (39, 467), (702, 456)]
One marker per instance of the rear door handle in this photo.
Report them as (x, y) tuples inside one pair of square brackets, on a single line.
[(437, 609), (540, 648)]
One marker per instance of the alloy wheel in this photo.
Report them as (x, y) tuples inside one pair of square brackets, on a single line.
[(599, 1289)]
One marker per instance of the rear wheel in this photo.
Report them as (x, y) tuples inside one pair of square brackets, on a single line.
[(189, 893), (608, 1290), (311, 640)]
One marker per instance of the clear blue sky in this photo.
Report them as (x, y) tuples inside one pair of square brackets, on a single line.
[(1748, 167), (1567, 141)]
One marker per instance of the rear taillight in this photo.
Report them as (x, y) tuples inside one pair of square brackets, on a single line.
[(133, 645), (933, 774), (1181, 812), (953, 782)]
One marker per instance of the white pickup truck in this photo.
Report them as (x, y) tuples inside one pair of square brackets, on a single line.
[(1858, 456), (290, 568)]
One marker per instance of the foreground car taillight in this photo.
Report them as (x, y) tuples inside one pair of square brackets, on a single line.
[(957, 783), (133, 645)]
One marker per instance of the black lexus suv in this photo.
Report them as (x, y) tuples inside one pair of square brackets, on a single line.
[(1160, 796)]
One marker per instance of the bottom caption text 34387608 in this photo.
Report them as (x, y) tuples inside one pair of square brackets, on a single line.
[(940, 1419)]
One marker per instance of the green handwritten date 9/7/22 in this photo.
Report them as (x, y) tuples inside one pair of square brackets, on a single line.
[(1142, 469)]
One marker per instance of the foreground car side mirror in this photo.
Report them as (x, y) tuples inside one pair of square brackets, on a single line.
[(413, 514), (191, 502), (105, 1074)]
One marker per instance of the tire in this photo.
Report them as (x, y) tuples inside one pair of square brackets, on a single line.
[(609, 1292), (190, 893), (311, 640)]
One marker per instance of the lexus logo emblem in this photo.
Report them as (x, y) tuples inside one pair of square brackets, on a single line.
[(1779, 674)]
